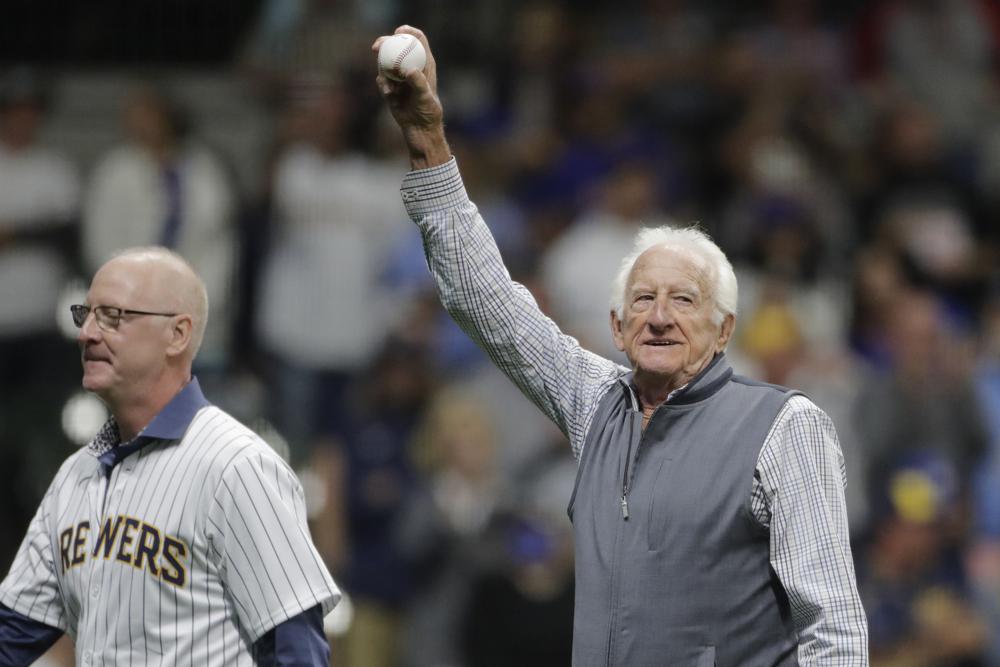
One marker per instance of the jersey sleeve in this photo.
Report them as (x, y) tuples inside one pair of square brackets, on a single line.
[(31, 588), (262, 546)]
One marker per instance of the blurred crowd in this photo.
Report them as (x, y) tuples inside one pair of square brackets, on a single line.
[(846, 156)]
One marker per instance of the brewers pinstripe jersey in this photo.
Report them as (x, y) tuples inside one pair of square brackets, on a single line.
[(184, 551)]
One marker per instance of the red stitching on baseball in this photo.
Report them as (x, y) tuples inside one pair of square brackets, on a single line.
[(402, 54)]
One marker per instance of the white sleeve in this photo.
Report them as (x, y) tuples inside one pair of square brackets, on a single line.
[(261, 543), (32, 585)]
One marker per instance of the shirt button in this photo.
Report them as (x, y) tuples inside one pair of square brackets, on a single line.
[(86, 657), (95, 590)]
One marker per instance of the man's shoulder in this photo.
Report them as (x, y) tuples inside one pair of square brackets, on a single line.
[(786, 404), (751, 383), (81, 463), (800, 421), (65, 485), (792, 400), (800, 409), (230, 440)]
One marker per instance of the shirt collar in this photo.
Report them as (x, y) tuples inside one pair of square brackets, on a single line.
[(704, 384), (176, 415), (170, 424)]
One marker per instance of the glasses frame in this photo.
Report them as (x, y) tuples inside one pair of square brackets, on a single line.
[(81, 312)]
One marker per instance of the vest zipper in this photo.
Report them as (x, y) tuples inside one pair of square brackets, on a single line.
[(615, 593), (628, 461), (628, 458), (627, 477)]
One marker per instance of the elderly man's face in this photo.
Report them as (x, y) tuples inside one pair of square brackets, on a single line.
[(122, 363), (667, 328)]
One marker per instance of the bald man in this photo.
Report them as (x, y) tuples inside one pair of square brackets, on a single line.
[(177, 535)]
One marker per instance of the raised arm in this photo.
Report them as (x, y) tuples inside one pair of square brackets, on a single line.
[(561, 378)]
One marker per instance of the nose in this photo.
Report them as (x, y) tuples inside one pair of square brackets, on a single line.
[(660, 315), (89, 331)]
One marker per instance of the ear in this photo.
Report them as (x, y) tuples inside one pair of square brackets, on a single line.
[(180, 335), (725, 332), (616, 331)]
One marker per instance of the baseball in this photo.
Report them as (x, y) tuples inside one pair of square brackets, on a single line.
[(399, 54)]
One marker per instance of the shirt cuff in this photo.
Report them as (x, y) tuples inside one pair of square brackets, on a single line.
[(436, 188)]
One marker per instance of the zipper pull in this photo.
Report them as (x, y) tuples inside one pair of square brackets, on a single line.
[(625, 507)]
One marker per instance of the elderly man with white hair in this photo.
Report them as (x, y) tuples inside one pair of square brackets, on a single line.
[(709, 518)]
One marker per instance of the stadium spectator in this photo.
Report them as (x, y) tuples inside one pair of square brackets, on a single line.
[(39, 216), (322, 313), (164, 186)]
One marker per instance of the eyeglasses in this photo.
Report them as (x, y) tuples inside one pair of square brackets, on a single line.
[(108, 317)]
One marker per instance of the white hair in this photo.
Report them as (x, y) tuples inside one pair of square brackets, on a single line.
[(694, 241)]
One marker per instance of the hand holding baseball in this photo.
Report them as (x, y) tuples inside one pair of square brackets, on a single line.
[(412, 97), (400, 53)]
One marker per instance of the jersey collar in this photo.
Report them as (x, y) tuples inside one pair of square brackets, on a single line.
[(169, 424)]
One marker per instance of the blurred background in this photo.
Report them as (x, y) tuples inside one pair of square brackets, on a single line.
[(846, 155)]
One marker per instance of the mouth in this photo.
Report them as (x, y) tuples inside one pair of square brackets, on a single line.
[(661, 343)]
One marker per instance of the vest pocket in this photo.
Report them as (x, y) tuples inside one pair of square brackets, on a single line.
[(657, 517), (682, 502)]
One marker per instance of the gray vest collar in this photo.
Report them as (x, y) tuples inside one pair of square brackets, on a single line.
[(706, 383)]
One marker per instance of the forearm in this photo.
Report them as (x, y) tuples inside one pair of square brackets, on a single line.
[(427, 147)]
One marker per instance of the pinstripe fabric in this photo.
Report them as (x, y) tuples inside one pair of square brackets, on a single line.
[(798, 488), (205, 549)]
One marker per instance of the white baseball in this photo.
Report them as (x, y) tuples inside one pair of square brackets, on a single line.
[(400, 54)]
